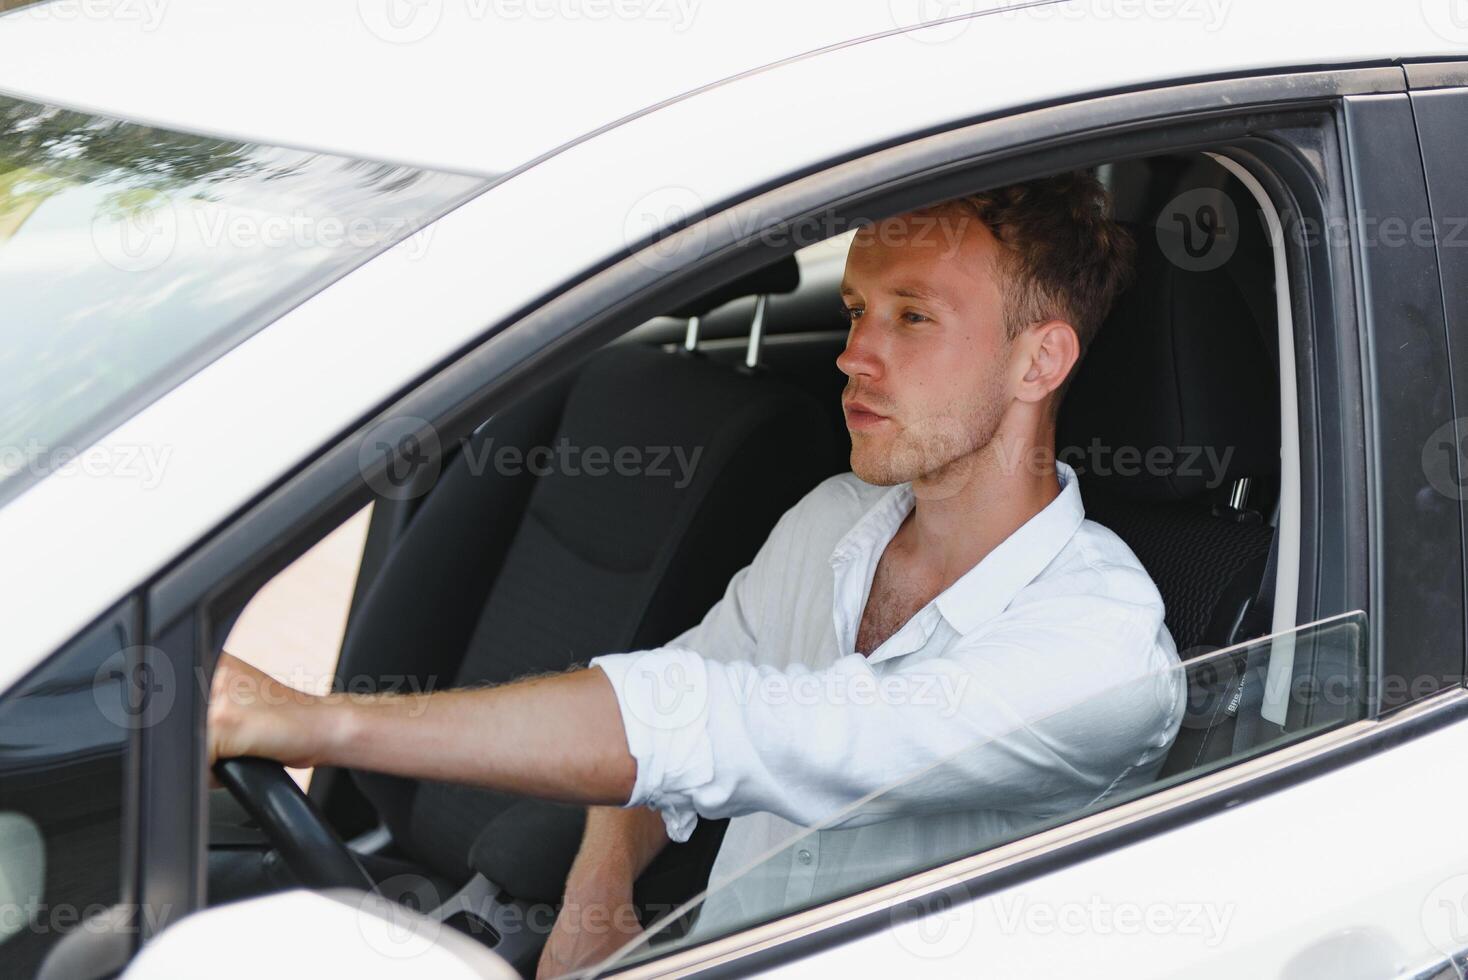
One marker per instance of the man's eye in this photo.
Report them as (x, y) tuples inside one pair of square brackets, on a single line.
[(850, 312), (915, 317)]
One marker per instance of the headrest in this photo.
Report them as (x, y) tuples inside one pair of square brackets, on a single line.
[(1178, 394), (781, 276)]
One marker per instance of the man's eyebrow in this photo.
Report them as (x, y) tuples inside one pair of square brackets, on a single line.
[(911, 291)]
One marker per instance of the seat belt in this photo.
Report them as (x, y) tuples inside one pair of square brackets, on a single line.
[(1248, 700)]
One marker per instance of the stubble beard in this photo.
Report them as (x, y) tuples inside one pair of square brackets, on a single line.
[(938, 454)]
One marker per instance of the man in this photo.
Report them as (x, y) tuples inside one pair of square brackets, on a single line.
[(941, 626)]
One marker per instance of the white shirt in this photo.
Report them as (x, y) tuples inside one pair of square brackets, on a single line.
[(1040, 683)]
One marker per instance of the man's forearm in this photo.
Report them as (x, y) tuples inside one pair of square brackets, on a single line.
[(618, 844), (558, 737)]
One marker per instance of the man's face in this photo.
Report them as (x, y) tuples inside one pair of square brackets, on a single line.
[(927, 356)]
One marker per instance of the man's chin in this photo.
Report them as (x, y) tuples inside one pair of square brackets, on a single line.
[(876, 468)]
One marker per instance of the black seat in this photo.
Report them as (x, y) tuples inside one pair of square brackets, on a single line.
[(500, 574), (1180, 371), (1184, 368)]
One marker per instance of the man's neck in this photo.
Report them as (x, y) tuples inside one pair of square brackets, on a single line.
[(965, 511)]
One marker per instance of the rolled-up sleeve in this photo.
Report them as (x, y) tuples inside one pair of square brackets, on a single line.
[(1051, 705)]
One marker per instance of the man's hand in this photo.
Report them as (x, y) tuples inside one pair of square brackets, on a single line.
[(251, 713)]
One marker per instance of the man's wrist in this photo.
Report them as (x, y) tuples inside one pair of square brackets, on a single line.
[(332, 728)]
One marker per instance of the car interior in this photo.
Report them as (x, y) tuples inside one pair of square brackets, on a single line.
[(488, 577)]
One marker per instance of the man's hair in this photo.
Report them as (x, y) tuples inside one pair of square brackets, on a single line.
[(1062, 256)]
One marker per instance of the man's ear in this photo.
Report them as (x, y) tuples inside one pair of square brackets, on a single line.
[(1048, 351)]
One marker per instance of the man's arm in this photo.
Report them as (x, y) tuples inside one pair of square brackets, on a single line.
[(597, 916), (557, 738)]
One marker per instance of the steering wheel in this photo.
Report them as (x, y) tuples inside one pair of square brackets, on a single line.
[(311, 849)]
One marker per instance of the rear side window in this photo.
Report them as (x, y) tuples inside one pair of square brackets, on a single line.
[(130, 256)]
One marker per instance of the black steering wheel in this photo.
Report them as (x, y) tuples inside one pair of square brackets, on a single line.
[(310, 848)]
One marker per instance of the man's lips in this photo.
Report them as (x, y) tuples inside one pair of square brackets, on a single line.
[(859, 416)]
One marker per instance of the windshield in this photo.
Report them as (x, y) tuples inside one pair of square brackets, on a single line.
[(1306, 680), (131, 256)]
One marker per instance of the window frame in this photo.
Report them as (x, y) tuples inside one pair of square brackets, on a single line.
[(189, 602)]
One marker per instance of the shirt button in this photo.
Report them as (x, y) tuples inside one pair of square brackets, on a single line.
[(803, 856)]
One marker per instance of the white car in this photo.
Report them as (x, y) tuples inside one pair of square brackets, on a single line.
[(552, 285)]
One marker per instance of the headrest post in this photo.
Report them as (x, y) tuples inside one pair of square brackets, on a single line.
[(1238, 496), (756, 331), (690, 339)]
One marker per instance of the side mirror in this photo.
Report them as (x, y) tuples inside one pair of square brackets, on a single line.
[(342, 932)]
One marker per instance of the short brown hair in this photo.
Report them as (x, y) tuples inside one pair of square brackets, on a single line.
[(1062, 254)]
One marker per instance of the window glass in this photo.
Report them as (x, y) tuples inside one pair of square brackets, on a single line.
[(293, 627), (1317, 673), (64, 736), (131, 255)]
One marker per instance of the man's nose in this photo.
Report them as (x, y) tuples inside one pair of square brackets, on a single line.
[(861, 356)]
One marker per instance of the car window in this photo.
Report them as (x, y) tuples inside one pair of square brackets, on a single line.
[(1318, 671), (131, 255), (293, 627), (64, 737)]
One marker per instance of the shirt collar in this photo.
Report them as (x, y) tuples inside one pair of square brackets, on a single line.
[(985, 590)]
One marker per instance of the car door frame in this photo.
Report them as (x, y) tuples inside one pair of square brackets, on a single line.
[(187, 605)]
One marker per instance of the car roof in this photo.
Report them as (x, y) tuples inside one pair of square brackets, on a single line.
[(477, 86), (578, 208)]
